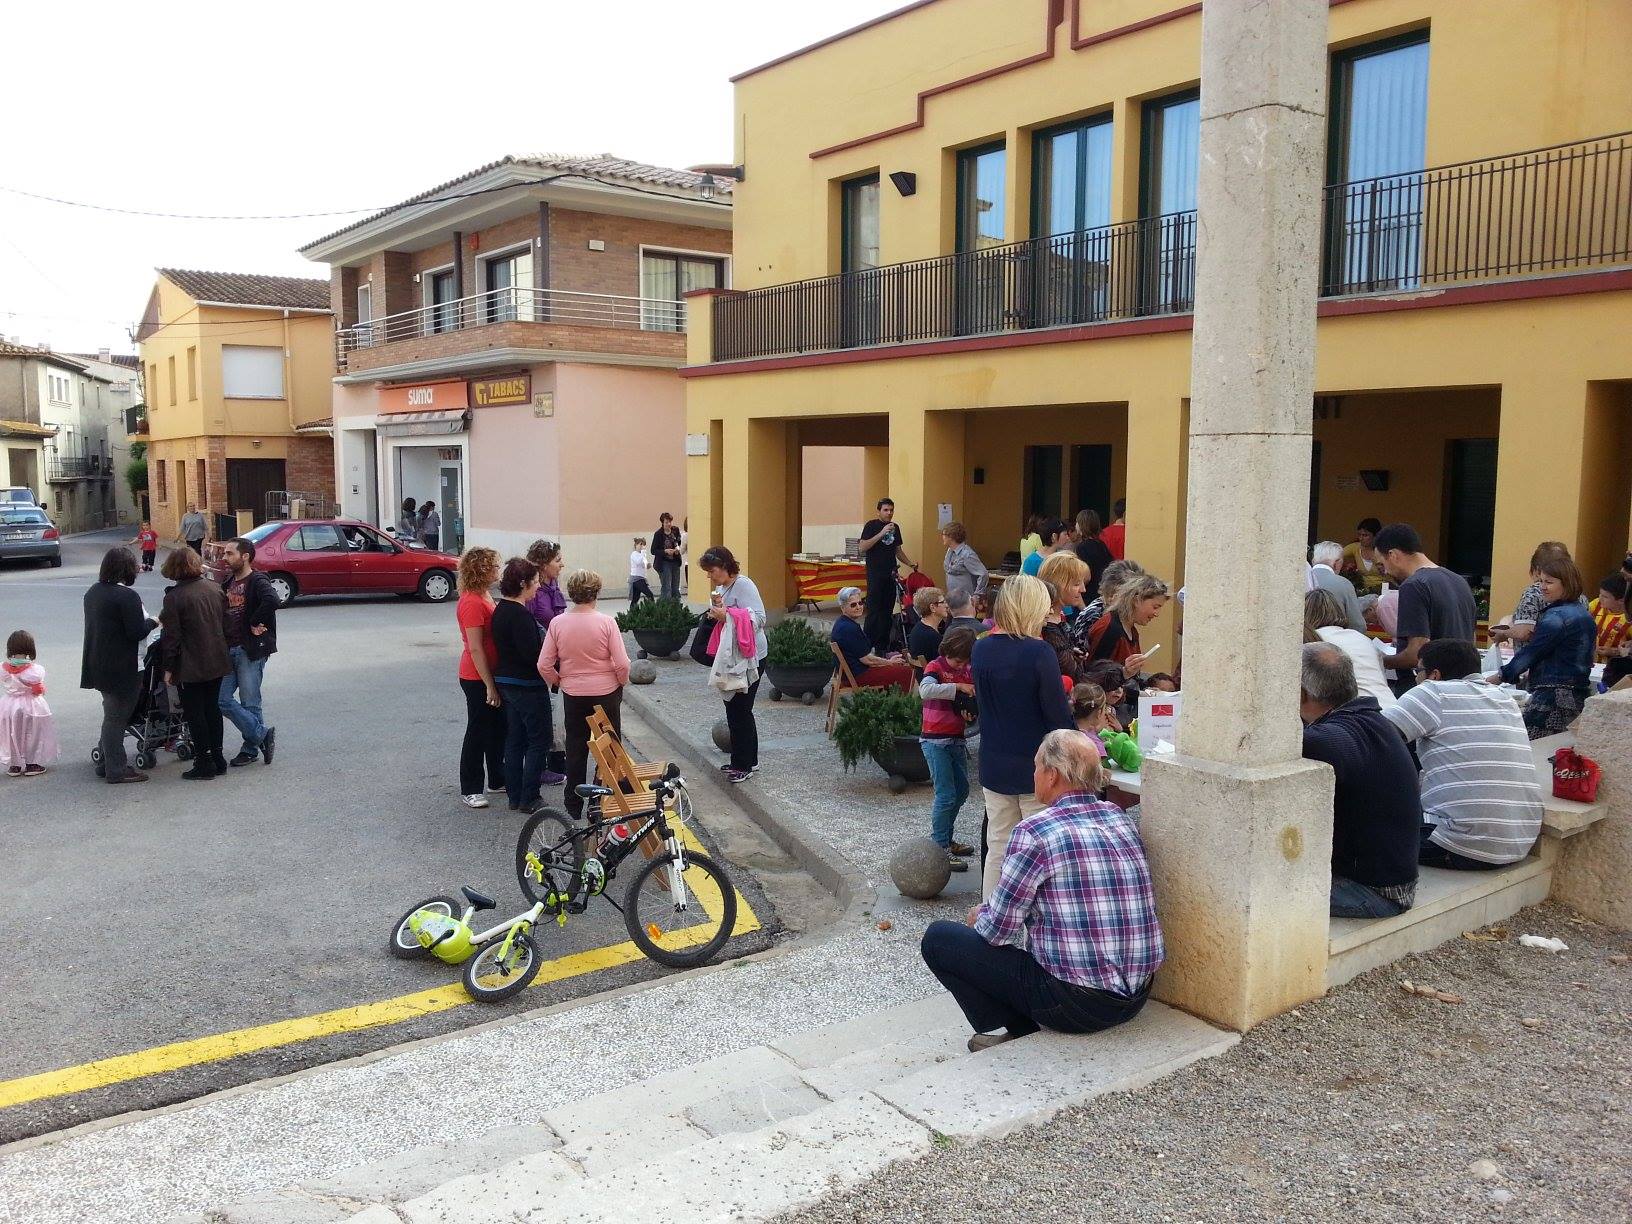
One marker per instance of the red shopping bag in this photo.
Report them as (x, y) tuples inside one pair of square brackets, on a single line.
[(1575, 777)]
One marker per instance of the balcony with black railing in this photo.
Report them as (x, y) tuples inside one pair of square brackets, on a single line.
[(1549, 211)]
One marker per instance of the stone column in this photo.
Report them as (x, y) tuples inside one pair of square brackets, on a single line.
[(1238, 826)]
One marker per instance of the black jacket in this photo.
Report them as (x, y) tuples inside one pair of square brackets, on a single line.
[(114, 628), (194, 643), (662, 540), (1377, 811), (260, 608)]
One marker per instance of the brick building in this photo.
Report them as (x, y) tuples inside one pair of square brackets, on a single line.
[(236, 370), (507, 345)]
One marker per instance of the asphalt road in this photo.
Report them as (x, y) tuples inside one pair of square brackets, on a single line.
[(146, 915)]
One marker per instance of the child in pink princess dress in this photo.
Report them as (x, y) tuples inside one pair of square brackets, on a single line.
[(28, 735)]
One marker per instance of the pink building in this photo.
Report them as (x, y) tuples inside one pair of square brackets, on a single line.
[(506, 345)]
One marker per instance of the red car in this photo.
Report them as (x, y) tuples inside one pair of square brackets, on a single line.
[(346, 557)]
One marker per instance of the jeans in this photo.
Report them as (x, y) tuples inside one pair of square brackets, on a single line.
[(575, 712), (739, 716), (245, 709), (1431, 854), (527, 714), (117, 707), (1351, 899), (201, 703), (949, 770), (668, 577), (639, 589), (483, 749), (1003, 987)]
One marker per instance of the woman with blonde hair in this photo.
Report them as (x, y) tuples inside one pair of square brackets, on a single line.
[(584, 654), (1115, 635), (482, 755), (1067, 574), (1021, 699), (1325, 620)]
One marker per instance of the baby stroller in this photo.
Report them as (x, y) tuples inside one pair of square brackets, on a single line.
[(157, 721)]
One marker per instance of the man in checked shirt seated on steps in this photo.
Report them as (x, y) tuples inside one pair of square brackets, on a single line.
[(1069, 939)]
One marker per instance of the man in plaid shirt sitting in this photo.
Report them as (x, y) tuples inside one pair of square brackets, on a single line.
[(1069, 939)]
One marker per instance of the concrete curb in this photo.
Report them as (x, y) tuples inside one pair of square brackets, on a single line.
[(829, 868)]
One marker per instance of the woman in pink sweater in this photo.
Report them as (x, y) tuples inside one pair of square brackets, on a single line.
[(584, 655)]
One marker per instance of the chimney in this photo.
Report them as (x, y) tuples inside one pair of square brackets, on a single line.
[(102, 354)]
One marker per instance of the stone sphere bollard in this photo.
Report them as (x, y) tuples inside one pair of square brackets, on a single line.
[(642, 671), (920, 869), (722, 735)]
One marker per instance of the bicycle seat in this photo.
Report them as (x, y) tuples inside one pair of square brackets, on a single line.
[(590, 791), (479, 901)]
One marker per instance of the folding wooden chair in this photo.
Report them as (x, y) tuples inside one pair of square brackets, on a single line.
[(600, 724), (630, 796), (844, 681)]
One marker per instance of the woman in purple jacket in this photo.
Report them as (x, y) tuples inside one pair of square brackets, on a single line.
[(545, 606)]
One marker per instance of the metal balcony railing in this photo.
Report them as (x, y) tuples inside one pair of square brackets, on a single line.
[(1546, 211), (519, 305), (71, 468)]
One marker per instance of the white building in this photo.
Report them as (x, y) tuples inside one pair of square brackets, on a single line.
[(123, 374)]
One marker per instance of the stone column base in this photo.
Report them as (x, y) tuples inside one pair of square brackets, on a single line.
[(1593, 868), (1240, 857)]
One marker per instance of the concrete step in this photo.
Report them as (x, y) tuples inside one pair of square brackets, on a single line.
[(779, 1167), (748, 1134), (1448, 903)]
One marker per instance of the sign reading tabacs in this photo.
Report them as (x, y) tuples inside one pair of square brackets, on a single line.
[(492, 392)]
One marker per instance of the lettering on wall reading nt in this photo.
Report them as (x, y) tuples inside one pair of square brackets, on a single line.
[(492, 392)]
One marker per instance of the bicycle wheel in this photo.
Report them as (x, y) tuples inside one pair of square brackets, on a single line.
[(675, 934), (403, 944), (542, 835), (490, 978)]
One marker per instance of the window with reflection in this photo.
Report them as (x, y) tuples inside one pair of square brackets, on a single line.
[(1170, 156), (1071, 206), (985, 282)]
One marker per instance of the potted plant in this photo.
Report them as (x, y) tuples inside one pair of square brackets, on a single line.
[(883, 724), (660, 626), (798, 661)]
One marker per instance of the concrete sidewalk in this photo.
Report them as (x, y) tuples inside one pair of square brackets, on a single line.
[(458, 1127)]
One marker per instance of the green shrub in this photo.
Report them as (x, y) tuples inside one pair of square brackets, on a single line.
[(659, 616), (795, 642), (869, 721)]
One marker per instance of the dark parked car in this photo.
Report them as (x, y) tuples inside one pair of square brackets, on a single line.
[(346, 557), (27, 534)]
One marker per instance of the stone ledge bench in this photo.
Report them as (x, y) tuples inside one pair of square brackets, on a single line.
[(1451, 902)]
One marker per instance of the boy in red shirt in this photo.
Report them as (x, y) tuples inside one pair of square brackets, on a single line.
[(148, 541)]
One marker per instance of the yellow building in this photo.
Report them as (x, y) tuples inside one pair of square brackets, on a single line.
[(237, 371), (965, 239)]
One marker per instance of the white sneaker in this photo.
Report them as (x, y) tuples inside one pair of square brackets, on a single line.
[(473, 801)]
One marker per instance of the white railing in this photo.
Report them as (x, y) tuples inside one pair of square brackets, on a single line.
[(518, 305)]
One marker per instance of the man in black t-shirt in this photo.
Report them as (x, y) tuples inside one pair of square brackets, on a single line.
[(882, 551), (1435, 603)]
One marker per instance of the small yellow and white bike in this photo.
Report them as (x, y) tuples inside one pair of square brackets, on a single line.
[(680, 907)]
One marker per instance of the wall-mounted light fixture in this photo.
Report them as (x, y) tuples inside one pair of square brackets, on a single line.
[(708, 186), (1375, 479), (906, 182)]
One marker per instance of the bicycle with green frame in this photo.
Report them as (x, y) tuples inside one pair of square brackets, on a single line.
[(680, 906)]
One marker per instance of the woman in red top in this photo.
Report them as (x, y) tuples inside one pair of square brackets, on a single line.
[(484, 709), (1115, 636)]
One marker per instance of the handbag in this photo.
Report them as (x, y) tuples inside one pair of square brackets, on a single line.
[(700, 638), (1575, 777)]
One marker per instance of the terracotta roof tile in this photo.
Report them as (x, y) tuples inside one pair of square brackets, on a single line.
[(602, 167), (251, 289)]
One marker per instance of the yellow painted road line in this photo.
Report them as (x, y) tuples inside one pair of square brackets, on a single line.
[(221, 1046)]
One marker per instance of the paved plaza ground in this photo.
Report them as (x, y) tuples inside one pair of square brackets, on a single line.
[(1366, 1105), (174, 911)]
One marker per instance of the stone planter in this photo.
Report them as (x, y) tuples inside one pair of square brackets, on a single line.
[(660, 643), (806, 683), (905, 765)]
